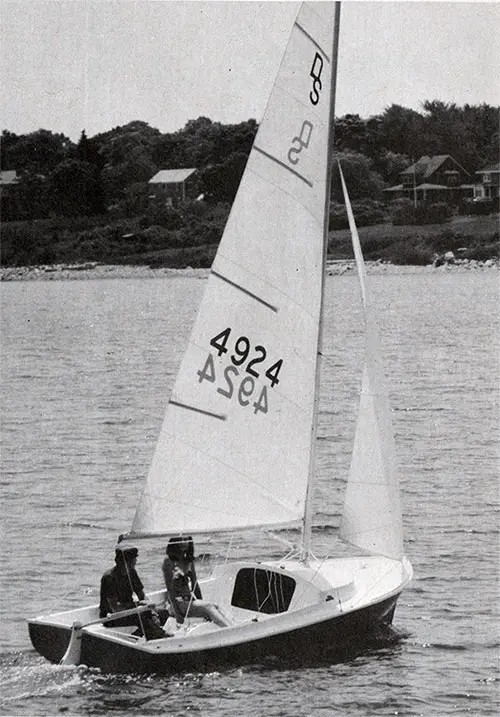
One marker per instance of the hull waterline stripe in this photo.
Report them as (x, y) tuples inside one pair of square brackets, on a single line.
[(282, 164), (220, 416), (313, 41), (245, 291)]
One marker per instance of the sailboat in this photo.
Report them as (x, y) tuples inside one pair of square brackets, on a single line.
[(236, 451)]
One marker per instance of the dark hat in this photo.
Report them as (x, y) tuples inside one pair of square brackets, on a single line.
[(125, 552)]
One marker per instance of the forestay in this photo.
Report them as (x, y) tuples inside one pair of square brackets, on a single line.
[(235, 445)]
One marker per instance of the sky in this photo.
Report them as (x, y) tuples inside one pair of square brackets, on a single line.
[(69, 65)]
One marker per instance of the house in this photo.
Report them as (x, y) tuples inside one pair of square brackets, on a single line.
[(8, 181), (489, 182), (173, 186), (433, 179)]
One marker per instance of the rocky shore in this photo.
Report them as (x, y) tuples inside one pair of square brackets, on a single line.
[(94, 270)]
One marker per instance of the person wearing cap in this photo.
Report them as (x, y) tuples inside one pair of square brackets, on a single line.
[(118, 586)]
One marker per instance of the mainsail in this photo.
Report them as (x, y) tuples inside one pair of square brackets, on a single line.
[(235, 446), (372, 513)]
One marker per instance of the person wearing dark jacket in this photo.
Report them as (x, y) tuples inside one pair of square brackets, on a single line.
[(118, 587)]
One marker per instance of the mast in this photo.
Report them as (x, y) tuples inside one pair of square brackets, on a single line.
[(308, 512)]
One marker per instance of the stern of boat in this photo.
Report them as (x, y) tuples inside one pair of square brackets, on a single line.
[(50, 634)]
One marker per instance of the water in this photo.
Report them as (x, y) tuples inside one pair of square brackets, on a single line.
[(86, 369)]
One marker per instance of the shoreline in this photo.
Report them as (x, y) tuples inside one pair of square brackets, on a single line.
[(94, 270)]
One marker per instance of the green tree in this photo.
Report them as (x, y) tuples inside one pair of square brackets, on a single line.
[(361, 180), (350, 133), (389, 165), (37, 153), (469, 134), (87, 150), (220, 182), (127, 153), (400, 130), (9, 140), (33, 193), (72, 187)]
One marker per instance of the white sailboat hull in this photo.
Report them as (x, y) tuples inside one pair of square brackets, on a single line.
[(333, 608)]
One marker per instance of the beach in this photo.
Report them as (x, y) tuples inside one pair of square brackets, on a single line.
[(95, 270)]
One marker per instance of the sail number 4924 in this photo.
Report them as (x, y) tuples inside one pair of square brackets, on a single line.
[(244, 358)]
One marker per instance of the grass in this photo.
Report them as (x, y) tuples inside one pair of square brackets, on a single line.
[(128, 241), (420, 244)]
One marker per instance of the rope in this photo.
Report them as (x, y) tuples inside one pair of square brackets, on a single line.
[(141, 623)]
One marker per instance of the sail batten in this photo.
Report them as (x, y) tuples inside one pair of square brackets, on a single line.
[(220, 416), (285, 166), (244, 290), (325, 55)]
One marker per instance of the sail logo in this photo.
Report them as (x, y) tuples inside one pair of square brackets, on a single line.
[(316, 70), (301, 142)]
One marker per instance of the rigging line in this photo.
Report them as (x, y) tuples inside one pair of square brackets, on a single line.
[(260, 605), (315, 573), (191, 597), (229, 549), (282, 593), (269, 595), (282, 164), (225, 555), (139, 615), (245, 291), (293, 553), (291, 546)]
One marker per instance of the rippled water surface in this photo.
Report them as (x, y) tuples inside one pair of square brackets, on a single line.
[(86, 371)]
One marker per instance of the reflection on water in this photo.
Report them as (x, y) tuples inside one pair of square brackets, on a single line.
[(86, 372)]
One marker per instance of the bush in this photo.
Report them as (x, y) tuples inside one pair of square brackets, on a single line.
[(406, 252), (367, 212), (337, 218), (402, 212), (488, 248), (479, 207), (156, 237), (166, 217), (448, 240), (432, 213), (376, 247)]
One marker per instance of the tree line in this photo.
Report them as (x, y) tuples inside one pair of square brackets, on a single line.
[(110, 171), (89, 200)]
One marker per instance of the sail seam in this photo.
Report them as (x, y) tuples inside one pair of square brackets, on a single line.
[(313, 41), (220, 416), (282, 164), (304, 206), (245, 291), (264, 491)]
